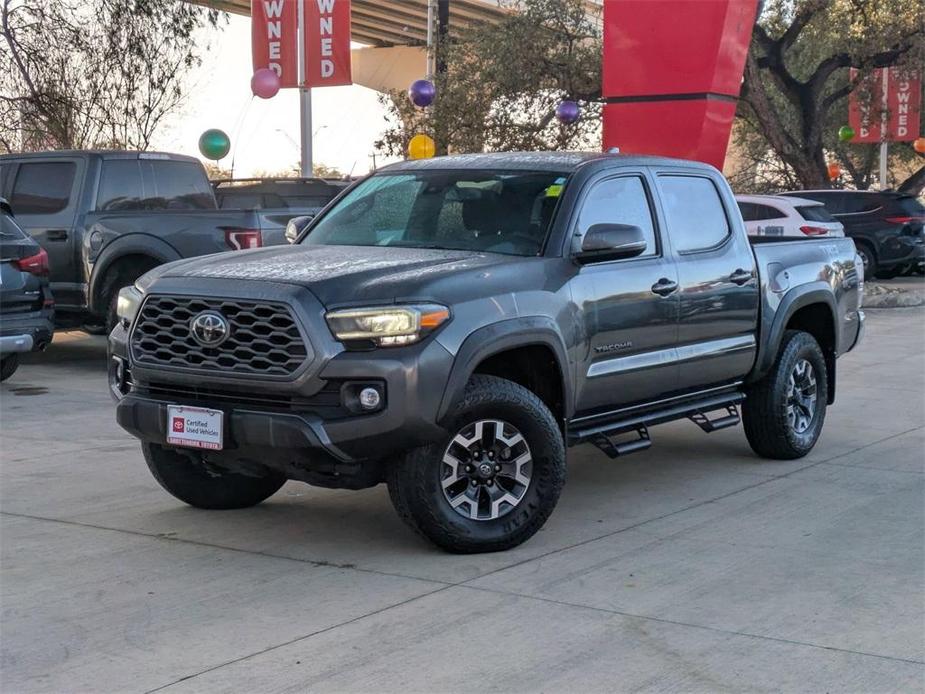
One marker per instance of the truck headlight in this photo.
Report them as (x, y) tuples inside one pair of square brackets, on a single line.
[(127, 305), (387, 326)]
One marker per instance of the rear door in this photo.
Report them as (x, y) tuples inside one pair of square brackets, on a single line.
[(629, 307), (45, 195), (718, 279)]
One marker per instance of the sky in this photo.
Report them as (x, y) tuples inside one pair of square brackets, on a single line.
[(265, 133)]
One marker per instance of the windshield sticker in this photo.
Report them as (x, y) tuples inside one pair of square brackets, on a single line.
[(555, 190)]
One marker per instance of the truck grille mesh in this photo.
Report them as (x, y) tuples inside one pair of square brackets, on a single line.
[(263, 337)]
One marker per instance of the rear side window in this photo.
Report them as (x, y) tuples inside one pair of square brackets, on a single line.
[(9, 229), (620, 200), (696, 216), (43, 187), (133, 184), (749, 211), (181, 185), (815, 213)]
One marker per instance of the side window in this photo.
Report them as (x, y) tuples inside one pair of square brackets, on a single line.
[(696, 217), (621, 200), (749, 211), (768, 212), (180, 185), (43, 187), (120, 186)]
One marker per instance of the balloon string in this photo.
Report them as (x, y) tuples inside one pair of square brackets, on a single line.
[(239, 123)]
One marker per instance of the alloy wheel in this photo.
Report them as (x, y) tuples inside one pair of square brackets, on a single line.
[(801, 396), (486, 470)]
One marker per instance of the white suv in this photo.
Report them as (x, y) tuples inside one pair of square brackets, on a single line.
[(773, 215)]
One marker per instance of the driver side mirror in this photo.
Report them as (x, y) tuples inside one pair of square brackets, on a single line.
[(295, 226), (611, 242)]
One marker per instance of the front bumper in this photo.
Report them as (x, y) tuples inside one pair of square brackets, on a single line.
[(302, 426), (859, 335)]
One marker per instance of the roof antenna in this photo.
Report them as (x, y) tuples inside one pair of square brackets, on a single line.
[(613, 150)]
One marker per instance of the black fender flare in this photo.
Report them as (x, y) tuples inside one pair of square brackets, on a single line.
[(500, 337), (794, 300), (130, 244)]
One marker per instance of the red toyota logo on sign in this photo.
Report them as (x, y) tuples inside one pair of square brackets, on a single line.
[(178, 424)]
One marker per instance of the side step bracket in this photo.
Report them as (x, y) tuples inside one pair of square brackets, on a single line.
[(615, 449), (730, 419)]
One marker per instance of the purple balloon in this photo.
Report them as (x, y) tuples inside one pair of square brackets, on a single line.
[(422, 93), (265, 83), (567, 112)]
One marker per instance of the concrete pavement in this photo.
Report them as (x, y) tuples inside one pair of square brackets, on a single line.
[(693, 566)]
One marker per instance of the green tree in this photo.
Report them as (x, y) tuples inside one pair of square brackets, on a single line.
[(794, 95), (503, 81), (81, 74)]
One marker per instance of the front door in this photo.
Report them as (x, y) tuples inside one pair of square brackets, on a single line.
[(44, 198), (718, 279), (630, 306)]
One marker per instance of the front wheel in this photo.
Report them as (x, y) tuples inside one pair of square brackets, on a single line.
[(8, 366), (192, 482), (784, 412), (495, 478)]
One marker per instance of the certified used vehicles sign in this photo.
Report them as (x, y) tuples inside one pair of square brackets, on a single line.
[(194, 427)]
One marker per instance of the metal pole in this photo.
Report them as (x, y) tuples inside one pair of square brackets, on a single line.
[(305, 113), (305, 102), (431, 57), (884, 147)]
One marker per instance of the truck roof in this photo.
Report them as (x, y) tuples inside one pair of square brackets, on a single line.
[(534, 161), (103, 153)]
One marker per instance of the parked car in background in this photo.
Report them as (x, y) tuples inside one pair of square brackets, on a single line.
[(771, 215), (307, 195), (26, 305), (448, 326), (107, 217), (886, 227)]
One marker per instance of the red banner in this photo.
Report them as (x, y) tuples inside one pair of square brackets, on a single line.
[(275, 39), (327, 43), (890, 97)]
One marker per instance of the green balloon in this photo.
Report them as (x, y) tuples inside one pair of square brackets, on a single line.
[(845, 133), (214, 144)]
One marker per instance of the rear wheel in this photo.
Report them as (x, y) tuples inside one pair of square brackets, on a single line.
[(8, 366), (869, 260), (193, 482), (492, 482), (784, 412)]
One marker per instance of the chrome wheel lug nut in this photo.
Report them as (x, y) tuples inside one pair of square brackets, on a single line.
[(497, 468), (473, 483), (490, 482)]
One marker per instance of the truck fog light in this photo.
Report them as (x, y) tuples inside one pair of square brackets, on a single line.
[(370, 398)]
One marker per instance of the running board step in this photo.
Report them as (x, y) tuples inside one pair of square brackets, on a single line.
[(710, 425), (616, 449), (602, 431)]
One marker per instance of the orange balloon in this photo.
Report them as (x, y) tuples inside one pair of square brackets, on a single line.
[(919, 145), (834, 171)]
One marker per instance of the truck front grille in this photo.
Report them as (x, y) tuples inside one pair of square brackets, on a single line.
[(262, 338)]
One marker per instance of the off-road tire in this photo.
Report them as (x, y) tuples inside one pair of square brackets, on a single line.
[(414, 479), (8, 366), (764, 412), (189, 480)]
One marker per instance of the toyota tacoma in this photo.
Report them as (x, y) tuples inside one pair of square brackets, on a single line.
[(451, 326)]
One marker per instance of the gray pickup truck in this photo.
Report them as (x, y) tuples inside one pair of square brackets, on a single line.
[(107, 217), (450, 326)]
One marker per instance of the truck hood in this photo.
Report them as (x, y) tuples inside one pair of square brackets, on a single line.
[(346, 274)]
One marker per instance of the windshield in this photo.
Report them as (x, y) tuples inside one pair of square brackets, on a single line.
[(455, 210)]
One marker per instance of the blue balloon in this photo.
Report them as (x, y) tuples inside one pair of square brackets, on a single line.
[(422, 93), (567, 112)]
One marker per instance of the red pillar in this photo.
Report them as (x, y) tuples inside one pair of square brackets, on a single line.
[(672, 72)]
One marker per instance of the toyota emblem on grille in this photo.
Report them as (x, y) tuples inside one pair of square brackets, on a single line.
[(210, 329)]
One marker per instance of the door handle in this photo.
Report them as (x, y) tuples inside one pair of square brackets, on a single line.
[(56, 235), (665, 286), (741, 276)]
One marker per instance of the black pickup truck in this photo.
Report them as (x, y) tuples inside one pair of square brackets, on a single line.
[(450, 326), (107, 217)]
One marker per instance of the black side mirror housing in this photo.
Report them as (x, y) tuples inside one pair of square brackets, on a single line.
[(611, 242), (296, 226)]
